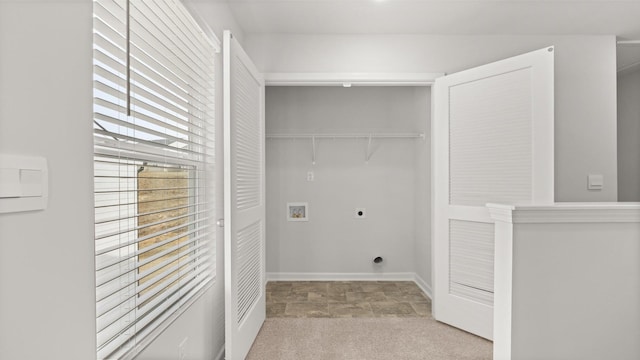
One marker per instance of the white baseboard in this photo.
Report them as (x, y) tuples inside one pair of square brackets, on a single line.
[(423, 286), (408, 276), (220, 355)]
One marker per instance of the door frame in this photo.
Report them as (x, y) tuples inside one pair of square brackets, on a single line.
[(370, 79)]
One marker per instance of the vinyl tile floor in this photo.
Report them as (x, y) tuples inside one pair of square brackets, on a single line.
[(350, 299)]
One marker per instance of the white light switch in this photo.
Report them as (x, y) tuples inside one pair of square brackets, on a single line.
[(595, 182), (10, 183), (23, 183), (31, 182)]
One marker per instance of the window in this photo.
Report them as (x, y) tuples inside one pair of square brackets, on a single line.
[(153, 163)]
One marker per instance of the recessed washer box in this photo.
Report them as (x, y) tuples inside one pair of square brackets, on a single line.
[(297, 211)]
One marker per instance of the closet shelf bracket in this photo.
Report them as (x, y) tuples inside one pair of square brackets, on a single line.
[(368, 156), (313, 150)]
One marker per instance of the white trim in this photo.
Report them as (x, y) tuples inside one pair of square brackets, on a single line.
[(502, 213), (423, 286), (349, 79), (567, 213), (283, 276), (220, 355)]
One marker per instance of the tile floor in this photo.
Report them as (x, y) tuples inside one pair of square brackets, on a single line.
[(338, 299)]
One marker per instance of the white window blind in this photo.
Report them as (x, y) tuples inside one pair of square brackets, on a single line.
[(153, 169)]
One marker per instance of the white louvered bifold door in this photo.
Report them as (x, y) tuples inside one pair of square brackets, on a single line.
[(493, 143), (244, 200)]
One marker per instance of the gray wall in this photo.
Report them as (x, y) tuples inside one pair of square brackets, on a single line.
[(629, 136), (393, 186), (585, 84), (47, 296)]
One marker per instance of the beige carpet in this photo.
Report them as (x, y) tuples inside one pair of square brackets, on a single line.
[(366, 339)]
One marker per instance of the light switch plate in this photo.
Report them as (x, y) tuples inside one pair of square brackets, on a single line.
[(595, 182), (24, 183)]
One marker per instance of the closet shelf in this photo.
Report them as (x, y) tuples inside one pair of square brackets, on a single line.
[(369, 136), (347, 136)]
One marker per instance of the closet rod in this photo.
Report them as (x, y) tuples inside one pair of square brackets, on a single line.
[(346, 136)]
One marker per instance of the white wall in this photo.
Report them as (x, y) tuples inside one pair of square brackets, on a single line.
[(422, 197), (585, 84), (629, 136), (333, 241), (47, 289), (215, 17)]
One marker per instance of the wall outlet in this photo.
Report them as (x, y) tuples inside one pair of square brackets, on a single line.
[(182, 349), (595, 182), (310, 176), (360, 213)]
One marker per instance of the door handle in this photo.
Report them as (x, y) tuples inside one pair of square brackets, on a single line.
[(220, 223)]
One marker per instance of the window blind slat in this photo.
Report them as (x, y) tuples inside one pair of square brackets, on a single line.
[(105, 275), (127, 126), (112, 11), (164, 62), (145, 226), (172, 35), (135, 141), (105, 51), (157, 44), (112, 285), (103, 264), (144, 67), (104, 148), (108, 349), (109, 313), (144, 336), (190, 261), (115, 105), (104, 220), (153, 158)]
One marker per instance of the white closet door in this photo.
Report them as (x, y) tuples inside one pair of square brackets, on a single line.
[(493, 143), (244, 207)]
